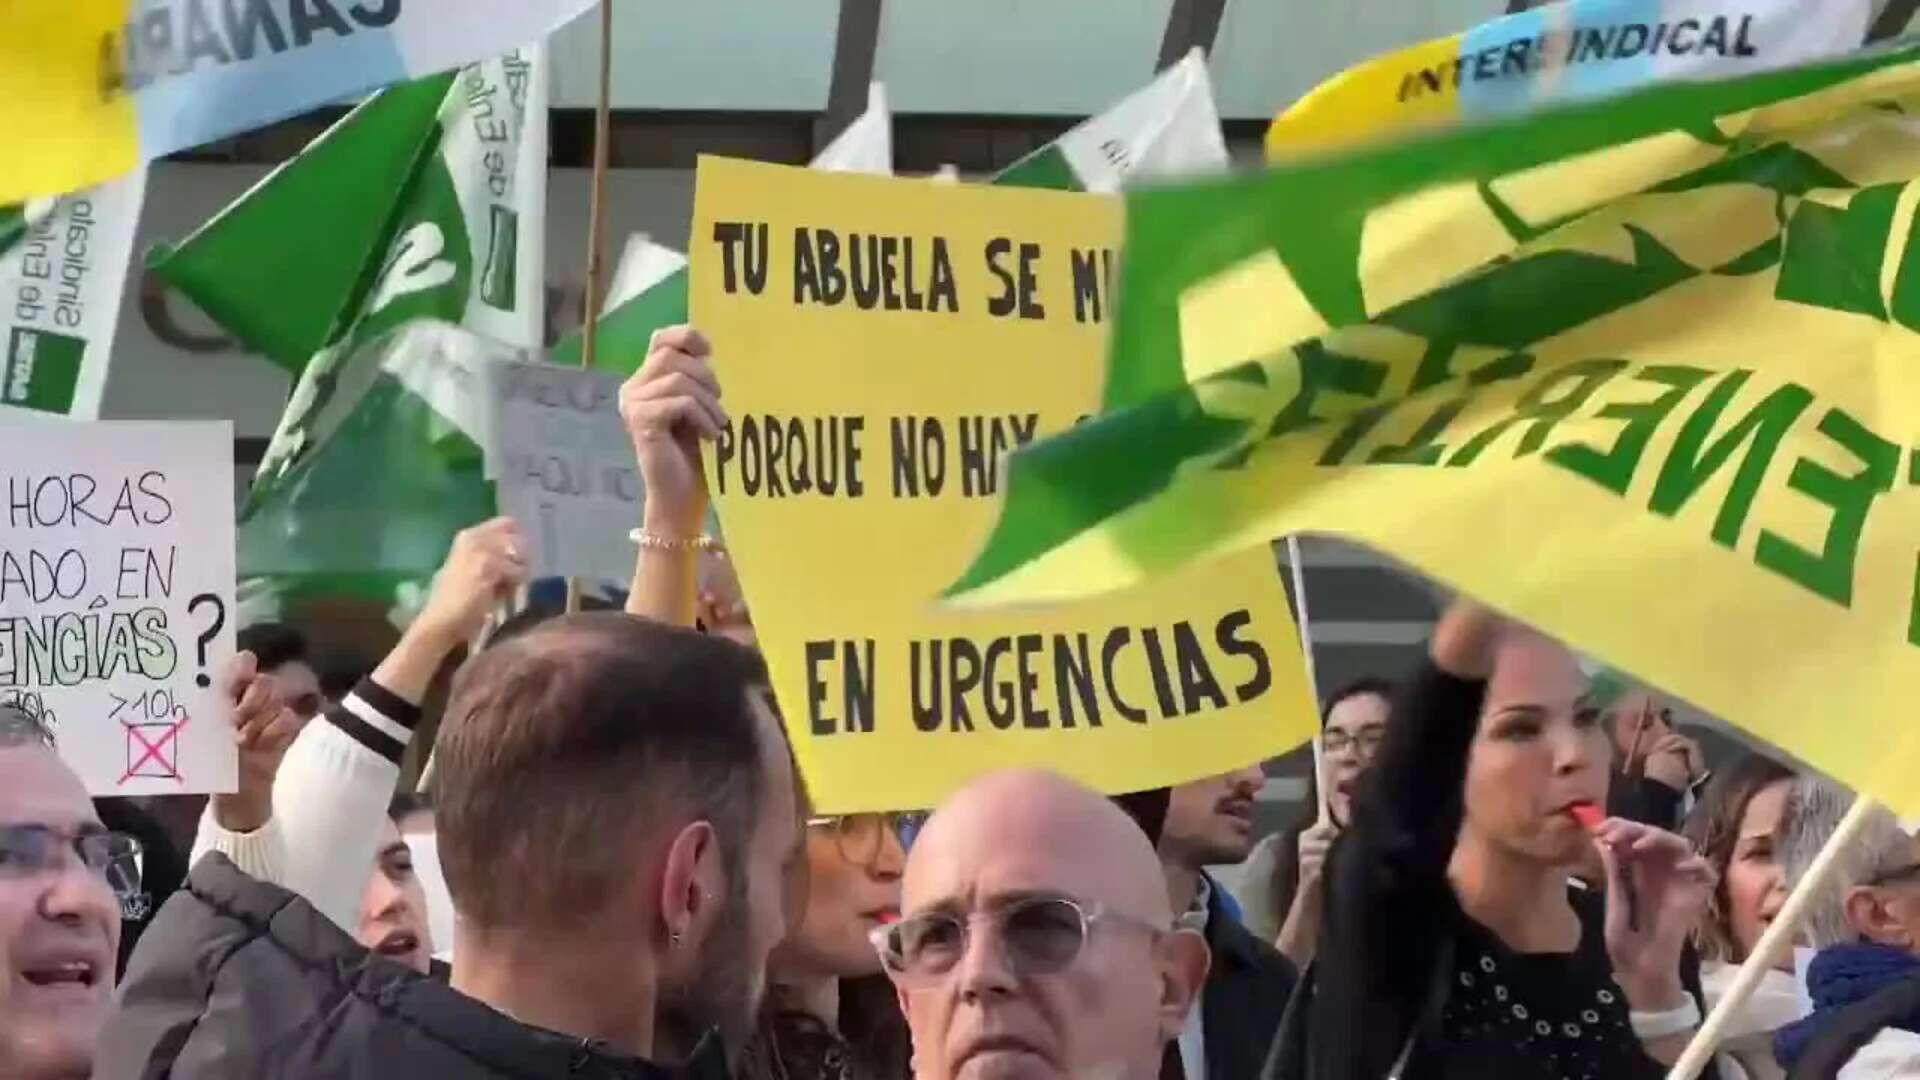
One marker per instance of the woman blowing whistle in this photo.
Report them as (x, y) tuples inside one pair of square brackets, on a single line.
[(1454, 943)]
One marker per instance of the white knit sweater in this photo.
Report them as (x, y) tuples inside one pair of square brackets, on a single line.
[(328, 802)]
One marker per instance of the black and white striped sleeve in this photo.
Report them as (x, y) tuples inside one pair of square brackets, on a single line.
[(377, 719), (332, 794)]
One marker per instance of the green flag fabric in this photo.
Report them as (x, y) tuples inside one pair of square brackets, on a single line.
[(375, 507), (1639, 372), (281, 266), (658, 300), (426, 203)]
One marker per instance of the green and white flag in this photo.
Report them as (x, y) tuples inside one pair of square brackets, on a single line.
[(866, 146), (649, 292), (430, 198), (374, 509), (643, 264), (650, 287), (63, 266), (1170, 127), (428, 202)]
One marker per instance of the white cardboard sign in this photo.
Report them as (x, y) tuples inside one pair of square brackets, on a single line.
[(565, 468), (116, 597)]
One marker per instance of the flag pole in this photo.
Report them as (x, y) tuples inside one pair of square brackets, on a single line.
[(1774, 943), (1296, 563), (602, 135)]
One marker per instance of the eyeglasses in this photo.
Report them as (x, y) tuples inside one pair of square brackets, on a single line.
[(1040, 935), (26, 850), (1367, 742), (860, 836)]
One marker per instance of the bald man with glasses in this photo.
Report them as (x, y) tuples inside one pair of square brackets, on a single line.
[(1037, 940)]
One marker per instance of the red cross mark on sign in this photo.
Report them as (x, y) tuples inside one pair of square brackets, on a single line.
[(153, 750)]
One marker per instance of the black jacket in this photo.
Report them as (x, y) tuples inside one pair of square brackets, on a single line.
[(1246, 994), (1645, 800), (242, 980)]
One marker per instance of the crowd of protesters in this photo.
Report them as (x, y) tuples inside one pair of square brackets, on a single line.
[(639, 887)]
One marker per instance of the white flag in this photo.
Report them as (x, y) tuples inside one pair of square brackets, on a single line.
[(1170, 127), (867, 144), (63, 266)]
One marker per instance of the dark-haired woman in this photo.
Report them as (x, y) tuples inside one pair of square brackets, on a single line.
[(1454, 945), (1736, 828), (829, 1013), (1284, 901)]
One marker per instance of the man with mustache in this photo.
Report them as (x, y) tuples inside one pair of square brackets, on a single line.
[(59, 915), (1037, 942), (1210, 823)]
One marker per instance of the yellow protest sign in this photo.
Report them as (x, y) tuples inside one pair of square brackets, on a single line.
[(883, 345)]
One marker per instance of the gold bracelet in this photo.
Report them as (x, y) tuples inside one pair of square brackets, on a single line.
[(661, 543)]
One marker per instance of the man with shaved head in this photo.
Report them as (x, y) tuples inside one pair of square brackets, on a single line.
[(1037, 939)]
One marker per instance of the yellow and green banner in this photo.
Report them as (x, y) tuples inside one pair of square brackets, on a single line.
[(1642, 372), (1575, 50)]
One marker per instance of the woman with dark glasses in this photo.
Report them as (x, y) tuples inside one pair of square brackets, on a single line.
[(829, 1012), (1283, 873)]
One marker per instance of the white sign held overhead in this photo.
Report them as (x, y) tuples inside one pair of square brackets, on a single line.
[(117, 599), (565, 468)]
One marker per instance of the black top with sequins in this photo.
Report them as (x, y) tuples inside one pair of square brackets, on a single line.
[(1523, 1015), (1397, 955)]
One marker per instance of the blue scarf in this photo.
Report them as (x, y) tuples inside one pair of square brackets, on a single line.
[(1841, 976)]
